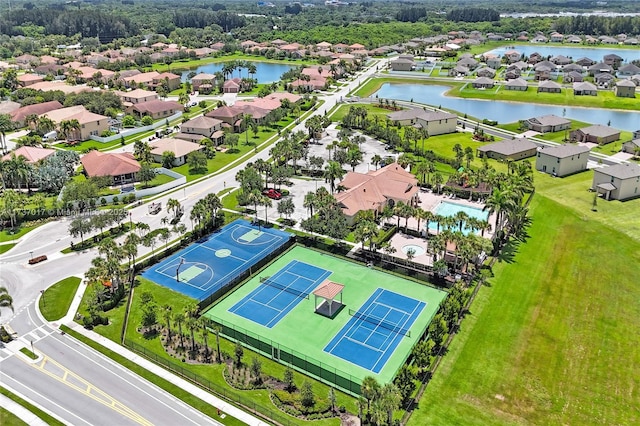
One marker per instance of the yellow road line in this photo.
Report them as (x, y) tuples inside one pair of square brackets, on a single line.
[(89, 390)]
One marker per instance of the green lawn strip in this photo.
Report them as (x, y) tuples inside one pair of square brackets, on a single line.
[(16, 233), (56, 300), (28, 353), (164, 384), (573, 192), (553, 320), (50, 420), (7, 418), (6, 247)]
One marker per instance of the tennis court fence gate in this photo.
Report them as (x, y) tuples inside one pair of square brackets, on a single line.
[(292, 358)]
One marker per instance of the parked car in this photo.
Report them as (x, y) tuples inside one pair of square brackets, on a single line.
[(272, 193)]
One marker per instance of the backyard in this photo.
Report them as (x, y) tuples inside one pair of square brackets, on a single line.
[(548, 341)]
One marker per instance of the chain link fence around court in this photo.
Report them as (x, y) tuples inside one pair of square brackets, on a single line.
[(229, 394), (292, 358)]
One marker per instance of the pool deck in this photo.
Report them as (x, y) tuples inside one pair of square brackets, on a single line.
[(428, 201)]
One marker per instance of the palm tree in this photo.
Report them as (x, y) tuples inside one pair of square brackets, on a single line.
[(376, 160), (332, 172), (390, 399), (69, 127), (369, 390), (167, 316), (44, 125), (204, 333), (178, 320), (366, 230), (192, 325), (6, 125), (247, 121), (173, 205), (310, 200), (217, 329), (6, 301)]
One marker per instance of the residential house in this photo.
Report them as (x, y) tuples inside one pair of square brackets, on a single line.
[(26, 80), (585, 88), (144, 79), (607, 40), (562, 160), (632, 41), (512, 56), (625, 89), (208, 127), (534, 58), (573, 39), (612, 59), (542, 72), (91, 124), (572, 67), (628, 70), (635, 79), (604, 79), (377, 189), (434, 122), (516, 84), (632, 147), (137, 96), (203, 82), (556, 38), (19, 115), (596, 134), (573, 77), (121, 167), (31, 154), (560, 60), (469, 63), (539, 39), (7, 107), (231, 86), (170, 80), (229, 115), (27, 61), (402, 64), (617, 182), (483, 83), (486, 72), (156, 109), (512, 73), (513, 149), (180, 149), (548, 123), (493, 61), (459, 71), (585, 62), (599, 68), (549, 86)]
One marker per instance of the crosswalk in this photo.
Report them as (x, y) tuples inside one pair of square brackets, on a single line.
[(27, 340)]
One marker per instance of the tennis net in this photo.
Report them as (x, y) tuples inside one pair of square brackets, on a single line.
[(271, 283), (380, 322)]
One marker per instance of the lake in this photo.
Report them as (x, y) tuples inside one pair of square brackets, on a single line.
[(505, 112), (265, 72), (575, 53)]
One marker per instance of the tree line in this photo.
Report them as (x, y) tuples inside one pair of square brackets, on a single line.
[(473, 14)]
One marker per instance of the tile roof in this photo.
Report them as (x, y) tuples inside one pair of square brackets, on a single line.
[(599, 130), (78, 112), (157, 105), (202, 122), (31, 154), (21, 113), (509, 146), (98, 163), (550, 120), (179, 147), (224, 112)]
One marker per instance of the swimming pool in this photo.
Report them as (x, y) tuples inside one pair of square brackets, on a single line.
[(446, 208)]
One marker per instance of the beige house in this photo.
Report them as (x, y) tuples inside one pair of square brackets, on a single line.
[(402, 64), (625, 89), (203, 79), (618, 182), (513, 149), (155, 108), (517, 84), (137, 96), (180, 148), (208, 127), (596, 134), (434, 122), (377, 189), (562, 160), (90, 124), (631, 146), (584, 88)]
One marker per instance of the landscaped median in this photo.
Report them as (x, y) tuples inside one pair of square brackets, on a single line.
[(56, 300)]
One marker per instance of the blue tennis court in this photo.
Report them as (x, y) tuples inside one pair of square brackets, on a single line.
[(210, 264), (375, 330), (277, 295)]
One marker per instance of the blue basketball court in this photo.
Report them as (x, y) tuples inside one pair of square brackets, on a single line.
[(376, 329), (277, 295), (205, 267)]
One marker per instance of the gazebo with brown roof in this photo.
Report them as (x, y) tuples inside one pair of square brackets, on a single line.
[(328, 291)]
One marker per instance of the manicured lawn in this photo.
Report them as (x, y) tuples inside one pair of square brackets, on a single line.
[(56, 300), (160, 179), (14, 234), (6, 247), (7, 418), (572, 191), (552, 339), (194, 63), (373, 110)]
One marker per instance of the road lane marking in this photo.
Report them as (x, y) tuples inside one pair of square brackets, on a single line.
[(79, 384)]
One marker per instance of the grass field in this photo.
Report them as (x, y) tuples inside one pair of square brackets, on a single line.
[(552, 340), (56, 300)]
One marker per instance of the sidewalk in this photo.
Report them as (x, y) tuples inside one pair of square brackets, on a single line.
[(22, 413), (223, 406)]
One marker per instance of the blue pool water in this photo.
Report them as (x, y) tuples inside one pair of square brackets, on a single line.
[(446, 208)]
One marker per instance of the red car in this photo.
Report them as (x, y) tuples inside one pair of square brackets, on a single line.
[(272, 193)]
